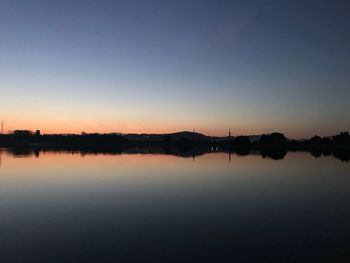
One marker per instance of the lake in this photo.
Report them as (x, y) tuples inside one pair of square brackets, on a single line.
[(216, 207)]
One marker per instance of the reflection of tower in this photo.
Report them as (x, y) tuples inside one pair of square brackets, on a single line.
[(0, 157), (193, 138)]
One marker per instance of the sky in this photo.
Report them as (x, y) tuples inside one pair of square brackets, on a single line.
[(163, 66)]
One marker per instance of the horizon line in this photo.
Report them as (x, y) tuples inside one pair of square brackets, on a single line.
[(229, 134)]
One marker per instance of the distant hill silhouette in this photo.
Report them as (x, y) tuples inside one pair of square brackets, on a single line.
[(189, 136), (177, 136)]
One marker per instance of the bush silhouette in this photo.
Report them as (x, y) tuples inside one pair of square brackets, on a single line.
[(274, 138)]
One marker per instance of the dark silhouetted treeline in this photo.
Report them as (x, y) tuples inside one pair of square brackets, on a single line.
[(29, 138), (186, 144)]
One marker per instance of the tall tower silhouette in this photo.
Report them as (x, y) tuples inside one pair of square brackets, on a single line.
[(229, 134)]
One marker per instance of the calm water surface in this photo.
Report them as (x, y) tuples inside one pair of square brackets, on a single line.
[(63, 207)]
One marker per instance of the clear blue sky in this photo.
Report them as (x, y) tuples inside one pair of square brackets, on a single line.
[(162, 66)]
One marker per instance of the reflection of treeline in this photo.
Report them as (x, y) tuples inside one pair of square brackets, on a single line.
[(278, 153)]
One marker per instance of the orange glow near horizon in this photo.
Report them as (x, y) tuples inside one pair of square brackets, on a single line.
[(55, 126), (66, 128), (91, 122), (64, 116)]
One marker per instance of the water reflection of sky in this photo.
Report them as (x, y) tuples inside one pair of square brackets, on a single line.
[(133, 207)]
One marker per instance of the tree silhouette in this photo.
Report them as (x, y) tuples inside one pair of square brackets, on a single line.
[(274, 138)]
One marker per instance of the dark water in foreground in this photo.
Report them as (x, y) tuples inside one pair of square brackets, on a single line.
[(61, 207)]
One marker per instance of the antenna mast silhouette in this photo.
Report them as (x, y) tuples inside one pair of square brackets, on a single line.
[(2, 127)]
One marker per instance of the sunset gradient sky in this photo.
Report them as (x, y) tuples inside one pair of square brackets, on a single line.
[(164, 66)]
